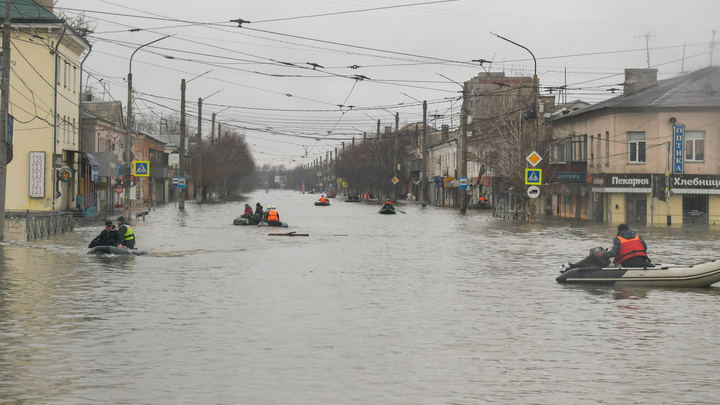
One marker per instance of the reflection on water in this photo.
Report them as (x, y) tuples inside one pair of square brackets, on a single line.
[(426, 307)]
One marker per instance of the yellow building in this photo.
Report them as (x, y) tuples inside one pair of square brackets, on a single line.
[(646, 156), (45, 57)]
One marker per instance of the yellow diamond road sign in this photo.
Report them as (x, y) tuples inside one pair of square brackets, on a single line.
[(394, 180), (534, 158)]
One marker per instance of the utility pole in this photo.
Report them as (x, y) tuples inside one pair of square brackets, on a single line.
[(424, 177), (212, 130), (182, 142), (198, 149), (4, 107), (378, 130), (462, 172), (397, 145)]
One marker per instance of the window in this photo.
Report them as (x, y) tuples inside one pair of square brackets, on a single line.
[(694, 146), (578, 151), (571, 149), (607, 148), (636, 147)]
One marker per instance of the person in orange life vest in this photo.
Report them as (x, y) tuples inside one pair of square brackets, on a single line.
[(629, 249), (388, 204), (272, 217), (323, 199)]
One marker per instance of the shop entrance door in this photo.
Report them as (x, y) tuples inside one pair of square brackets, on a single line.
[(636, 208)]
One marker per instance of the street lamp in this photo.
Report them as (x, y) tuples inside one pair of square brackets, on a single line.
[(198, 186), (183, 134), (462, 169), (535, 88), (127, 156)]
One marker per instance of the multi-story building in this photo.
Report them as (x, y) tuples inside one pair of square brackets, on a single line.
[(44, 103), (648, 152)]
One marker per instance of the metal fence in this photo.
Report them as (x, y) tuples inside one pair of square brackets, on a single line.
[(39, 224)]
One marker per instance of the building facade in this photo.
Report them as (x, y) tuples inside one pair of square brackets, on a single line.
[(47, 160), (646, 151)]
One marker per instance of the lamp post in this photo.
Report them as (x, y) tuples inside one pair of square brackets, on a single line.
[(128, 156), (198, 185), (183, 134), (395, 155), (536, 125), (462, 161)]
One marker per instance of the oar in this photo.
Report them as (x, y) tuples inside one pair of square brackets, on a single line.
[(402, 212)]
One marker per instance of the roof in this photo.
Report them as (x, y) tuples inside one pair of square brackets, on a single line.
[(700, 88), (29, 11)]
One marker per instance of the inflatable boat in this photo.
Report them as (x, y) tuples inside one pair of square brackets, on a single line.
[(322, 204), (661, 275), (386, 211), (282, 224), (114, 250), (244, 221)]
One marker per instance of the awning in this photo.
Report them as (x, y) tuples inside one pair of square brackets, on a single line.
[(695, 191), (453, 184), (92, 159), (622, 190)]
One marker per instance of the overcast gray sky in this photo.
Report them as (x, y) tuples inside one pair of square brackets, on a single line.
[(377, 56)]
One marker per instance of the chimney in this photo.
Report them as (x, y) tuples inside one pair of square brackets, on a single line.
[(48, 4), (638, 79), (444, 132), (388, 130)]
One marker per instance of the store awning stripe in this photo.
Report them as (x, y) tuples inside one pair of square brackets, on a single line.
[(622, 190), (695, 191)]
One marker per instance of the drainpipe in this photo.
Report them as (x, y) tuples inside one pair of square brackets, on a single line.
[(80, 120), (55, 121)]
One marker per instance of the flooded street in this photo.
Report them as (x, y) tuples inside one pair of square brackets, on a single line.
[(426, 307)]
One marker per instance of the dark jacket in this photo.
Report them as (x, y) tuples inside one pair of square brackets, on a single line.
[(105, 239), (626, 234)]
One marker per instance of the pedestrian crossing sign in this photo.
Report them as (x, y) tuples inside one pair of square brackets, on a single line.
[(533, 177), (142, 168)]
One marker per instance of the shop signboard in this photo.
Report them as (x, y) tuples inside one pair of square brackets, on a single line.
[(678, 153)]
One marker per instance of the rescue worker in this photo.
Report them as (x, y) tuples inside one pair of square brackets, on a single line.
[(126, 237), (272, 217), (108, 236), (323, 199), (388, 204), (248, 212), (629, 250)]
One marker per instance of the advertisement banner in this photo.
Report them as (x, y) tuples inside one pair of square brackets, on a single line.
[(37, 174)]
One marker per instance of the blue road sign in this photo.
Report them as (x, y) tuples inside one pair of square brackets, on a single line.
[(533, 177), (181, 182), (463, 183), (142, 168)]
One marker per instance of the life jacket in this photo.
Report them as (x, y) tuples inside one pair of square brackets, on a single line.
[(388, 202), (629, 248), (323, 199), (273, 216), (128, 234)]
